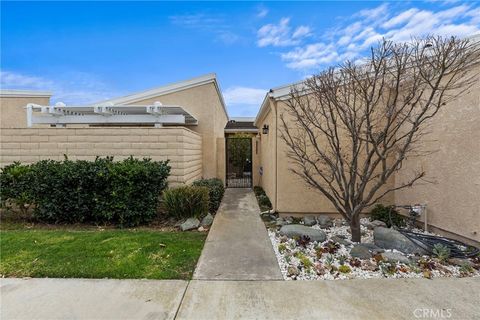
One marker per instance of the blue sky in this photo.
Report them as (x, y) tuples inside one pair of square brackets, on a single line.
[(89, 51)]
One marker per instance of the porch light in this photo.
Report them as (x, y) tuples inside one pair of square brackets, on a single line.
[(265, 129)]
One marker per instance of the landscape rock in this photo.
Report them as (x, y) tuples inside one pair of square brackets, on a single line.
[(392, 239), (207, 220), (280, 222), (325, 221), (361, 252), (201, 229), (289, 219), (373, 248), (461, 262), (374, 224), (309, 221), (189, 224), (297, 230), (365, 250), (395, 257), (339, 239)]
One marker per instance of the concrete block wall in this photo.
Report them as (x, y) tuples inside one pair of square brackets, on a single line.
[(182, 146)]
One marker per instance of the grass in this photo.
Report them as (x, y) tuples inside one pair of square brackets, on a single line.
[(107, 253)]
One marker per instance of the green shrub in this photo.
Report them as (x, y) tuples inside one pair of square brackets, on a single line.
[(388, 215), (215, 191), (186, 201), (125, 193), (258, 190), (16, 188), (262, 198)]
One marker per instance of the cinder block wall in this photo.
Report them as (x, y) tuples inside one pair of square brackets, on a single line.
[(182, 146)]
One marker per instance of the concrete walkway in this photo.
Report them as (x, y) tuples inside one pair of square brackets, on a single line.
[(237, 246), (90, 299), (373, 299)]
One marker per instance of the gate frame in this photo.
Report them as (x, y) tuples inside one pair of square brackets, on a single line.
[(226, 161)]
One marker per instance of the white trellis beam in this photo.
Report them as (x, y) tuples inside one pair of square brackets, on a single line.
[(61, 115)]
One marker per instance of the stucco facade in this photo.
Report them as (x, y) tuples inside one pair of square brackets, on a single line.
[(452, 168), (453, 205)]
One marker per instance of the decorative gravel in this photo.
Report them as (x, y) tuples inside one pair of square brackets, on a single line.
[(312, 261)]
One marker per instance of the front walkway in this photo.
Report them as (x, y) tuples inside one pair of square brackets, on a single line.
[(237, 246)]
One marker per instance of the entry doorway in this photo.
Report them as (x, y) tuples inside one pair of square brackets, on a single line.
[(239, 162)]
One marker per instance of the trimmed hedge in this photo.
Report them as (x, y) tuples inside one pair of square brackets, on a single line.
[(215, 191), (186, 202), (125, 193)]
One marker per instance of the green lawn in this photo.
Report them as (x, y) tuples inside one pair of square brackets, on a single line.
[(110, 253)]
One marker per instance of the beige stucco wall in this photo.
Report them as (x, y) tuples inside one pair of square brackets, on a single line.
[(204, 104), (292, 195), (256, 160), (13, 113), (268, 155), (181, 146), (453, 199)]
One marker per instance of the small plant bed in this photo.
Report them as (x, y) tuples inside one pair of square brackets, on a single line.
[(118, 254), (325, 252), (262, 199)]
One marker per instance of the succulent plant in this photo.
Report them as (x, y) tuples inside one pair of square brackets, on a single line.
[(466, 269), (387, 268), (426, 264), (303, 241), (354, 262), (282, 247), (344, 269), (331, 247), (441, 252), (329, 260), (342, 259)]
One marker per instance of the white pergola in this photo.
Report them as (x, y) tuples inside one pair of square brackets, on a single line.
[(61, 115)]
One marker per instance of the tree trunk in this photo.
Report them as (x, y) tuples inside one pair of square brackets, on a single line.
[(355, 229)]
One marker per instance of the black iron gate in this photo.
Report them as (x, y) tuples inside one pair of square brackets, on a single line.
[(239, 162)]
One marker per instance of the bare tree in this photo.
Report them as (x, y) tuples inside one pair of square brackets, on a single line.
[(349, 129)]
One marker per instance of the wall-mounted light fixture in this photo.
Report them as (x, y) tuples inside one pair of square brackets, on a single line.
[(265, 129)]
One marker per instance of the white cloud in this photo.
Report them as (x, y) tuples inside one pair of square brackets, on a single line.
[(375, 13), (301, 31), (352, 37), (73, 88), (400, 18), (262, 12), (244, 95), (208, 23), (243, 101), (280, 35)]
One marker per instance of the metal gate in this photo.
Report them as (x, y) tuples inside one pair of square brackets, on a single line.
[(239, 162)]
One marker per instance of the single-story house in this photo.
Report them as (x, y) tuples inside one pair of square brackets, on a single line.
[(187, 123)]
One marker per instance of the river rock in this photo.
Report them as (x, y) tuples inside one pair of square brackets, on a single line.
[(309, 221), (297, 231), (395, 257), (207, 220), (325, 221), (190, 224), (392, 239)]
